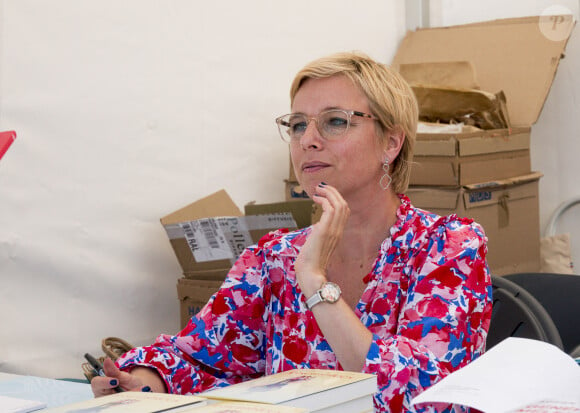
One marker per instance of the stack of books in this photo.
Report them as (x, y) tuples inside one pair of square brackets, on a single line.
[(294, 391), (314, 390)]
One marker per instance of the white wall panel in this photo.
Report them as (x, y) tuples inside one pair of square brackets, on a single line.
[(125, 111)]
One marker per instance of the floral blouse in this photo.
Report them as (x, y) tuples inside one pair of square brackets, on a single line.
[(427, 302)]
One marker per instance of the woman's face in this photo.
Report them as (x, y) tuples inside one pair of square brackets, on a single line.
[(353, 162)]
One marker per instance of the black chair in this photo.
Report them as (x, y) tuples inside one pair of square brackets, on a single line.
[(516, 313), (559, 294)]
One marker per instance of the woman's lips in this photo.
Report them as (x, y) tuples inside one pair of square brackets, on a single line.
[(313, 166)]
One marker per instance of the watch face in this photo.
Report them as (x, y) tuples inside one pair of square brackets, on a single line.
[(330, 292)]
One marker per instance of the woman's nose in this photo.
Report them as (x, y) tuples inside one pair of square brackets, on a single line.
[(311, 137)]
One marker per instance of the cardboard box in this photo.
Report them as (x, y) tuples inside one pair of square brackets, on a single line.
[(516, 56), (467, 158), (193, 295), (508, 210), (294, 191), (209, 234), (208, 275), (305, 212)]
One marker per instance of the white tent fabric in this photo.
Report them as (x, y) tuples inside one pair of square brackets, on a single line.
[(127, 110)]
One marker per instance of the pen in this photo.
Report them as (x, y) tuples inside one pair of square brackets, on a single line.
[(98, 367)]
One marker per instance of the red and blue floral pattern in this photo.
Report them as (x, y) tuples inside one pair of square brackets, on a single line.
[(427, 302)]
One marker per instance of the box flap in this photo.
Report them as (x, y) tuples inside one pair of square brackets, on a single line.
[(447, 74), (519, 56), (216, 204), (534, 176)]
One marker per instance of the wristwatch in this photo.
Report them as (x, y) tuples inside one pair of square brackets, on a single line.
[(329, 292)]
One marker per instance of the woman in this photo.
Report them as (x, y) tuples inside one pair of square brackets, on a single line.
[(376, 285)]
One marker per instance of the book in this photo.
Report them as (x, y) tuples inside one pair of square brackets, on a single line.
[(245, 407), (312, 389), (133, 402), (17, 405), (516, 375), (6, 139)]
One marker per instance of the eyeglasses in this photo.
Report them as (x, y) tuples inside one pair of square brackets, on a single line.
[(331, 124)]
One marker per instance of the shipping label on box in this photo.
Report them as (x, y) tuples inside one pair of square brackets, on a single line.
[(219, 238), (225, 238)]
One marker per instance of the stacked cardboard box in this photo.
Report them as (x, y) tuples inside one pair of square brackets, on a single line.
[(294, 191), (484, 174), (207, 236)]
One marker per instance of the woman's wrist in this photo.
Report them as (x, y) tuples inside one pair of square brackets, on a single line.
[(149, 377), (312, 283)]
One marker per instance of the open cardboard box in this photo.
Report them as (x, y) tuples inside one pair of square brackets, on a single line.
[(507, 209), (517, 56), (209, 234)]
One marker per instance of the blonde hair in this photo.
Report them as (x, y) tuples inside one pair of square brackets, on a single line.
[(390, 99)]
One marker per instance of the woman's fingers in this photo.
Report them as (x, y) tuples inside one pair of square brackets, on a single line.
[(114, 378), (334, 207), (110, 368), (328, 231), (101, 386)]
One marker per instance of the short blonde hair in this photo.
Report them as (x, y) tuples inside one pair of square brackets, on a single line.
[(390, 99)]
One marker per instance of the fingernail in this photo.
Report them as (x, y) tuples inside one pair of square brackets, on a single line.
[(114, 382), (146, 389), (322, 184)]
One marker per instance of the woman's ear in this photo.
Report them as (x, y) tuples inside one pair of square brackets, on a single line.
[(394, 139)]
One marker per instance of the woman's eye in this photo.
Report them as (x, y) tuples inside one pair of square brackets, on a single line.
[(298, 127), (337, 122)]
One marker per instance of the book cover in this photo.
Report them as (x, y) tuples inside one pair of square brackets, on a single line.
[(132, 402), (6, 139), (308, 388)]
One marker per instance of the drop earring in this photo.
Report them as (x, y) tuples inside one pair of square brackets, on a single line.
[(386, 179)]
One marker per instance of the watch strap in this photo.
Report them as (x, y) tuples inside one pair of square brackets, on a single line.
[(316, 298), (328, 292)]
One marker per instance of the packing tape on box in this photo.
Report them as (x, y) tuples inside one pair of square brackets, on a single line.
[(220, 238)]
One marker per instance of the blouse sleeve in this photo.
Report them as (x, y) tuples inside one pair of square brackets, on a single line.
[(443, 320), (222, 344)]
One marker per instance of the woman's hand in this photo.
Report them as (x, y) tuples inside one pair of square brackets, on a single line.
[(140, 379), (312, 262)]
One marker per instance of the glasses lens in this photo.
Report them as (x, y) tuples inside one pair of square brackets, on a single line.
[(333, 123), (292, 126)]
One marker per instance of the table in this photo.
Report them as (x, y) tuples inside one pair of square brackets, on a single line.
[(50, 391)]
